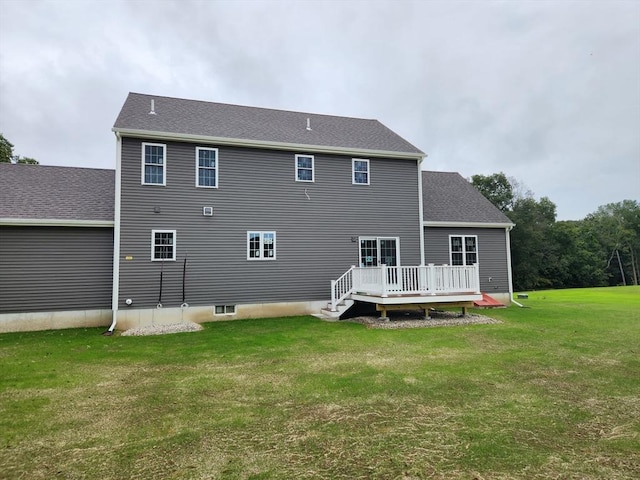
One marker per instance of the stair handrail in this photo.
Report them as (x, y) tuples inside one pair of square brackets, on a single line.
[(341, 288)]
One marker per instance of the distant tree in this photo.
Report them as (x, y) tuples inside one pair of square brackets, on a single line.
[(496, 188), (530, 248), (617, 228), (6, 150), (7, 155), (572, 257)]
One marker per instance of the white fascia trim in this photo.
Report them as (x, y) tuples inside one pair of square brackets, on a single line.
[(55, 222), (239, 142), (468, 224)]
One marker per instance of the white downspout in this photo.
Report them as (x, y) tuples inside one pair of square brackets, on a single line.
[(116, 236), (421, 211), (507, 231)]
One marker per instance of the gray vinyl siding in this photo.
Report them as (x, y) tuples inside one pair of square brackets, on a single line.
[(492, 253), (258, 192), (55, 268)]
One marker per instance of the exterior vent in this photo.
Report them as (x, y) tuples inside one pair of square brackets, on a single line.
[(207, 211)]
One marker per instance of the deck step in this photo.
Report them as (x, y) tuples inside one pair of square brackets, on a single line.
[(327, 314), (488, 302)]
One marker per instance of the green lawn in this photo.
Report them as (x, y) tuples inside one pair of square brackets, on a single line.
[(552, 392)]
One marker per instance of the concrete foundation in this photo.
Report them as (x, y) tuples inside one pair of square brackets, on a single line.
[(133, 317), (33, 321)]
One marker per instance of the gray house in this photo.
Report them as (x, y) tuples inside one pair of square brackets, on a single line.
[(462, 227), (221, 211), (247, 212), (56, 246)]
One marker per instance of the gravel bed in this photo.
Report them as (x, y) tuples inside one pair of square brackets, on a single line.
[(414, 319), (163, 329)]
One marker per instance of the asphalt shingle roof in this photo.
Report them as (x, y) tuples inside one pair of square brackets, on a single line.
[(60, 193), (448, 197), (219, 120)]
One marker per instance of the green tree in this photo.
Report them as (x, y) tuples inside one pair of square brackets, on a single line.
[(7, 155), (496, 188), (617, 228), (530, 247), (6, 150)]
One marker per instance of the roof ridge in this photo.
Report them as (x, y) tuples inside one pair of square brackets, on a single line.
[(256, 108)]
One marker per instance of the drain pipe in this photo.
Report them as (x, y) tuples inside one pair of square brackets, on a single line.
[(116, 238)]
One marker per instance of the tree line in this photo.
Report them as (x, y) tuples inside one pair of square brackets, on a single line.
[(7, 155), (600, 250)]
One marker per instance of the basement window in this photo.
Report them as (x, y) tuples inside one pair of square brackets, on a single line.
[(224, 310)]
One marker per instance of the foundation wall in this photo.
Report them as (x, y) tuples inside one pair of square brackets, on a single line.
[(34, 321), (132, 318)]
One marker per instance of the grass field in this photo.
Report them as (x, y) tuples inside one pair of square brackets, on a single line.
[(552, 392)]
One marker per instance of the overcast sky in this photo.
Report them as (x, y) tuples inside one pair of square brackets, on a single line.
[(547, 92)]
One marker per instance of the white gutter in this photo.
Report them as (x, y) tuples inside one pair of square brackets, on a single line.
[(468, 224), (54, 222), (507, 231), (116, 236), (239, 142)]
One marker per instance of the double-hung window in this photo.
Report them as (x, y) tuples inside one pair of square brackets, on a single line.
[(261, 245), (304, 168), (360, 169), (163, 245), (463, 249), (154, 164), (206, 167)]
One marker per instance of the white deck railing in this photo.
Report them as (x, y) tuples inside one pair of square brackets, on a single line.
[(383, 281)]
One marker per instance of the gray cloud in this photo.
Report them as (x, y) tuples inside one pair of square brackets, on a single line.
[(548, 92)]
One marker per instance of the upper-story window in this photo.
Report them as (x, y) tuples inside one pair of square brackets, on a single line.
[(261, 245), (163, 245), (304, 168), (206, 167), (463, 249), (360, 171), (154, 162)]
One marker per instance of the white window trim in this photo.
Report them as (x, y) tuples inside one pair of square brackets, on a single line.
[(198, 167), (225, 307), (313, 168), (353, 171), (464, 250), (164, 163), (262, 234), (379, 248), (153, 244)]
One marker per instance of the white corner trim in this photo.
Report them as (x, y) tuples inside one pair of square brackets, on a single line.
[(55, 222)]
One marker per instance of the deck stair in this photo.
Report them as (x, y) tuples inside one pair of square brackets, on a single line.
[(488, 302), (341, 308)]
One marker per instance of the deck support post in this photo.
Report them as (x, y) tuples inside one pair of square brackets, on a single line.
[(384, 280)]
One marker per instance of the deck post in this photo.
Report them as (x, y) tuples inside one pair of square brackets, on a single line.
[(432, 278), (477, 275), (333, 296), (384, 280)]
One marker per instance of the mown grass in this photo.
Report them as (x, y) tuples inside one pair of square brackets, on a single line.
[(552, 392)]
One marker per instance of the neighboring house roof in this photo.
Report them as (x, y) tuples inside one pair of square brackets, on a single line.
[(260, 127), (450, 200), (48, 195)]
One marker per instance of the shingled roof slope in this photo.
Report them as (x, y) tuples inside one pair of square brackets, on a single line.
[(56, 193), (219, 120), (448, 197)]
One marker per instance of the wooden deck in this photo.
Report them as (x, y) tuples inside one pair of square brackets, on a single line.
[(425, 286)]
